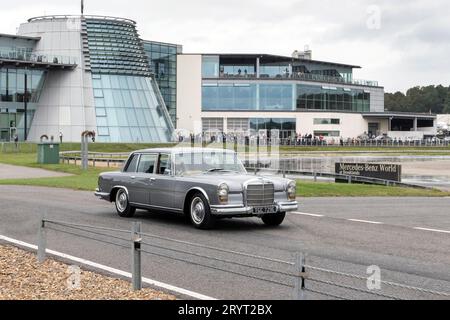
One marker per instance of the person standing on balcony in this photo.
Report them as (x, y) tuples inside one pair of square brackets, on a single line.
[(60, 137)]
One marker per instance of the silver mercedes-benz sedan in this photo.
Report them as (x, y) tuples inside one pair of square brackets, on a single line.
[(204, 184)]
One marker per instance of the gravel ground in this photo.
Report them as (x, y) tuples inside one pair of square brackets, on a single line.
[(23, 278)]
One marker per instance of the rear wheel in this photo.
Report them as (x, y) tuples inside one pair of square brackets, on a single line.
[(123, 207), (200, 212), (274, 220)]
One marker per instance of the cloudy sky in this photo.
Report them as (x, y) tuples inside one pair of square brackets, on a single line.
[(401, 43)]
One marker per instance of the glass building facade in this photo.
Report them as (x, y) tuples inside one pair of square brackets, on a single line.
[(129, 106), (281, 97), (331, 98), (278, 83), (127, 110), (12, 98), (162, 58), (282, 124), (287, 126)]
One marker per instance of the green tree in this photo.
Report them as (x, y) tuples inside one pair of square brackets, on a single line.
[(435, 99)]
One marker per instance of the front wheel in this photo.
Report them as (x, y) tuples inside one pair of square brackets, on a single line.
[(274, 220), (123, 207), (200, 212)]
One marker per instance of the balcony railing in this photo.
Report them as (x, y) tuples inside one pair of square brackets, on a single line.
[(37, 57), (302, 76)]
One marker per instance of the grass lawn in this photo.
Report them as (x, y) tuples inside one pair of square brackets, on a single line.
[(81, 180), (320, 189), (129, 147), (87, 180), (93, 147)]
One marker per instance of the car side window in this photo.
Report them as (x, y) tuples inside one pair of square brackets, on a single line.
[(147, 163), (132, 164), (164, 166)]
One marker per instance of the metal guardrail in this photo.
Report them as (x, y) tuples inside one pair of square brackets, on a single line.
[(297, 273), (252, 140), (16, 55), (350, 179), (296, 76), (425, 143), (94, 157), (115, 158)]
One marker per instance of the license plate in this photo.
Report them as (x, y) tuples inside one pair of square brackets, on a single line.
[(264, 210)]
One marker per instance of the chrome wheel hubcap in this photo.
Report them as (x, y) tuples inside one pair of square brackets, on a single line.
[(121, 201), (198, 210)]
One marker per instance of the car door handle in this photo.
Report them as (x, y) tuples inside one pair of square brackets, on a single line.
[(152, 179), (133, 177)]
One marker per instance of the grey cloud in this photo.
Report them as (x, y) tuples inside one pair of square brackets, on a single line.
[(411, 47)]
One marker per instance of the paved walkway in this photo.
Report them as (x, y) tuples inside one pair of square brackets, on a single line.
[(15, 172)]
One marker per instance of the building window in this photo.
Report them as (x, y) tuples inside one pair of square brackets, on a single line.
[(98, 93), (103, 131), (237, 124), (319, 121), (281, 124), (212, 125), (332, 98), (327, 133), (228, 97), (275, 97), (210, 66), (275, 70), (241, 96)]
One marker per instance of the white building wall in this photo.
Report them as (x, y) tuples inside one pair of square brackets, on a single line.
[(189, 92), (67, 102), (351, 124)]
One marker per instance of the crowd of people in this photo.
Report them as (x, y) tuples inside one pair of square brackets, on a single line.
[(302, 139)]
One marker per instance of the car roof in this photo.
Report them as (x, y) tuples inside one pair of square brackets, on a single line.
[(182, 150)]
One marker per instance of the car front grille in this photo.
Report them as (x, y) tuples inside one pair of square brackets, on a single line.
[(260, 194)]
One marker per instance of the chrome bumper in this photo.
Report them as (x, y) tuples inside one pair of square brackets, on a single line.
[(241, 210), (102, 195)]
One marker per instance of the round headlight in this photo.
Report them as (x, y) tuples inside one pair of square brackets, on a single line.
[(222, 193), (291, 190)]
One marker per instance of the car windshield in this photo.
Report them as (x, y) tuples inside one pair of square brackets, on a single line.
[(207, 162)]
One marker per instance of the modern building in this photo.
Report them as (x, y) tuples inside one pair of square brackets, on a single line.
[(74, 73), (70, 74), (250, 93)]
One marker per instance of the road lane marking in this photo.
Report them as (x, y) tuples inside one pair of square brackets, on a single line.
[(432, 230), (308, 214), (365, 221), (109, 269)]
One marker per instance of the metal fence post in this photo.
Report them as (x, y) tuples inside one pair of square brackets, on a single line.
[(300, 274), (136, 256), (42, 240)]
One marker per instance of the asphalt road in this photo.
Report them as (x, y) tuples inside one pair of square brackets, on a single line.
[(408, 238), (18, 172)]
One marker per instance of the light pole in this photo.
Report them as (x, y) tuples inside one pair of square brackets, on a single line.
[(25, 105)]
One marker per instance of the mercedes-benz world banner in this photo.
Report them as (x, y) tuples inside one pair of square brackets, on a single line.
[(391, 172)]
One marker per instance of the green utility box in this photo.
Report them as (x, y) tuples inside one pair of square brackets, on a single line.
[(48, 153)]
